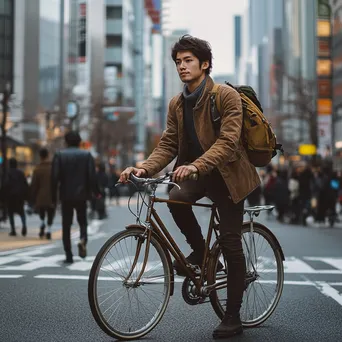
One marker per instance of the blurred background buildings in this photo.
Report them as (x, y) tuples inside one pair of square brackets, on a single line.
[(91, 65)]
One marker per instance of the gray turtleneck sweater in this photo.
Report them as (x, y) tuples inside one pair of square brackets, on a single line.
[(190, 99)]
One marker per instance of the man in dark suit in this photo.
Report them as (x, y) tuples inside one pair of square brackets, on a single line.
[(73, 174)]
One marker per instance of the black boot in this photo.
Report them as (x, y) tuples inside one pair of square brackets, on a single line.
[(68, 258), (195, 257), (41, 232), (12, 233), (231, 247), (24, 231), (82, 249), (230, 326)]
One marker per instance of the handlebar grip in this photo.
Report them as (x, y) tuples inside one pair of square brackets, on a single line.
[(136, 179)]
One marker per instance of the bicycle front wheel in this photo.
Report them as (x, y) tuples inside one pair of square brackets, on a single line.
[(264, 276), (123, 308)]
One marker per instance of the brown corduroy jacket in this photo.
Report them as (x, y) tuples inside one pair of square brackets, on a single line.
[(225, 152)]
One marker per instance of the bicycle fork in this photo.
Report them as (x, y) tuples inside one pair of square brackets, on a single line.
[(141, 240)]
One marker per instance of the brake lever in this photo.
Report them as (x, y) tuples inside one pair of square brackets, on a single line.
[(172, 183)]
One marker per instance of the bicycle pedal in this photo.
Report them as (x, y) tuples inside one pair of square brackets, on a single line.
[(196, 269)]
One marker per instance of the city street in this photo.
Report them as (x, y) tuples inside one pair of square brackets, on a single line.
[(43, 300)]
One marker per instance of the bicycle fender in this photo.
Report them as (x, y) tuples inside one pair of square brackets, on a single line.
[(247, 223), (142, 228)]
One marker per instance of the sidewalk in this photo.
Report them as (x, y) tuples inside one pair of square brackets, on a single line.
[(31, 239), (33, 226)]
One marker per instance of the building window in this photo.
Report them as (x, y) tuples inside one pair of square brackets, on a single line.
[(114, 41), (114, 12)]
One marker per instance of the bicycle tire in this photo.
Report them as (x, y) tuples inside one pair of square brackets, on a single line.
[(274, 244), (92, 287)]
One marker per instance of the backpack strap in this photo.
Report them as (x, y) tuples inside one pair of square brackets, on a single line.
[(215, 106)]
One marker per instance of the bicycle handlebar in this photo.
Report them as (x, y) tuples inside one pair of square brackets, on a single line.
[(165, 179)]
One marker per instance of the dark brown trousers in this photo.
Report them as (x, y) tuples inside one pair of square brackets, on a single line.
[(231, 218)]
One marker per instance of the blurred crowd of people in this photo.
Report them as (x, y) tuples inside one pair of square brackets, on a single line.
[(67, 181), (300, 192), (34, 194)]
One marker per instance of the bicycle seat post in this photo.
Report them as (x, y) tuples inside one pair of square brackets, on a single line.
[(251, 219)]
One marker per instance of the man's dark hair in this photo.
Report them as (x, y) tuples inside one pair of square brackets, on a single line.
[(199, 47), (12, 163), (73, 139), (43, 153)]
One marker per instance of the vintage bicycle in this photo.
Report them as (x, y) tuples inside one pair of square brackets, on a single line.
[(132, 278)]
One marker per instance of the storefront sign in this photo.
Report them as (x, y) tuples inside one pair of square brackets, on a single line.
[(324, 133), (324, 88), (324, 106), (323, 48), (323, 28), (324, 72), (323, 67)]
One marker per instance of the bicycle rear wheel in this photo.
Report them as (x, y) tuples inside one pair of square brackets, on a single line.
[(264, 276), (121, 308)]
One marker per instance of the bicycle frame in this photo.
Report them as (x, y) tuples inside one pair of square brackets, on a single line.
[(154, 225)]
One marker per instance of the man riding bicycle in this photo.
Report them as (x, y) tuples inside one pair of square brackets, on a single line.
[(225, 174)]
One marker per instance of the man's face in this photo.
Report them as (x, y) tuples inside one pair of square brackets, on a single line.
[(188, 67)]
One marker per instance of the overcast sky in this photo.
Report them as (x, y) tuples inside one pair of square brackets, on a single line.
[(211, 20)]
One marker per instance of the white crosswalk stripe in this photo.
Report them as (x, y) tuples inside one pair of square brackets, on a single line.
[(19, 263)]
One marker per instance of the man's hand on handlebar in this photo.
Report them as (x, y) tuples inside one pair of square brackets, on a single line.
[(184, 172), (126, 173)]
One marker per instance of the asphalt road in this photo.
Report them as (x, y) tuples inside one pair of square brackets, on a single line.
[(43, 300)]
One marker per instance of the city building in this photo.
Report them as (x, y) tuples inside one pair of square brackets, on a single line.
[(237, 44), (298, 121), (6, 39), (84, 70), (336, 51), (39, 43), (129, 55), (7, 60), (222, 78), (172, 83), (278, 59), (24, 109)]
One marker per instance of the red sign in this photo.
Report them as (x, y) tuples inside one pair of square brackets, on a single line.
[(323, 48), (324, 88)]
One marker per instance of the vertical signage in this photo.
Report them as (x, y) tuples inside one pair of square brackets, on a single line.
[(324, 76)]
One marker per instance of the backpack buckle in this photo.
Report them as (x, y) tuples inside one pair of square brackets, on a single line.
[(215, 115)]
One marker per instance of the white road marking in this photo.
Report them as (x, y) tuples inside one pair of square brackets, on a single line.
[(11, 276), (80, 277), (334, 262), (328, 291), (294, 265), (34, 259), (8, 259), (82, 265), (50, 261), (94, 226), (28, 250), (100, 235), (60, 276)]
